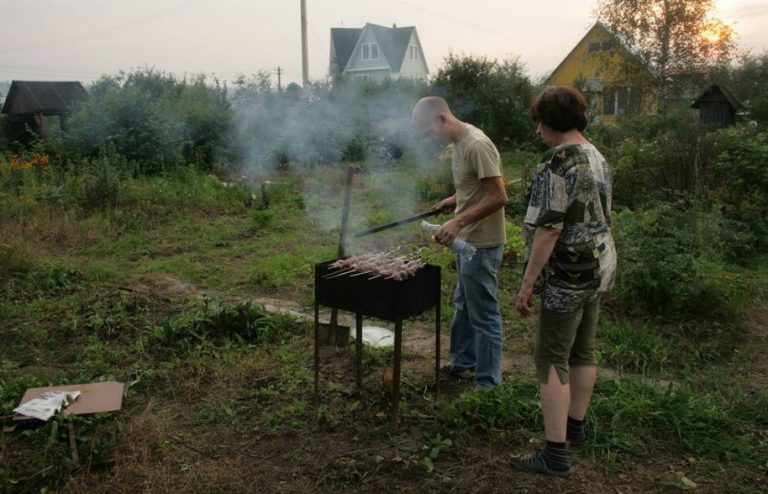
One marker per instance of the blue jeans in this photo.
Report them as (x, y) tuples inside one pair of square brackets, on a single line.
[(476, 331)]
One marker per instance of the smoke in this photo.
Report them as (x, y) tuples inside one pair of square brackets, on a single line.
[(321, 131)]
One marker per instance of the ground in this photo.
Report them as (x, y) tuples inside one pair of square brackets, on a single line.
[(167, 445)]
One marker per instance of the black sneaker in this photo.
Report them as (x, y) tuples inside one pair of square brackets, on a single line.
[(535, 462), (468, 373)]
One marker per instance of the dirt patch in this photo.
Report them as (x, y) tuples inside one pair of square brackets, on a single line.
[(165, 286)]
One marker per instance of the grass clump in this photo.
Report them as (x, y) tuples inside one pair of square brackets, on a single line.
[(240, 323)]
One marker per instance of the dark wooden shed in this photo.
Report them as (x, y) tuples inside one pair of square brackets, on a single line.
[(42, 99), (717, 106)]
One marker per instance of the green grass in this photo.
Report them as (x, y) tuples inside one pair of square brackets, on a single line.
[(154, 292)]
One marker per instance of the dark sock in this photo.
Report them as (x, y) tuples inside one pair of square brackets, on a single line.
[(575, 432), (556, 456)]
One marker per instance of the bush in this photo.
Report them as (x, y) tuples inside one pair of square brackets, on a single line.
[(494, 96), (151, 118), (654, 157), (739, 182), (670, 265)]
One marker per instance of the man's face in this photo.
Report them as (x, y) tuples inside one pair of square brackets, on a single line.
[(429, 127)]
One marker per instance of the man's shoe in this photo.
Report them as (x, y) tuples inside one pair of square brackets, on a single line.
[(468, 373), (535, 462)]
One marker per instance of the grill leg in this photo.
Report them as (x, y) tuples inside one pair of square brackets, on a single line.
[(359, 351), (317, 353), (437, 347), (396, 377)]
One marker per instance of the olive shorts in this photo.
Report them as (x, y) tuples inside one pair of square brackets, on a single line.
[(566, 338)]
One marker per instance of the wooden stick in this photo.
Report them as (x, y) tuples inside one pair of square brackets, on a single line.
[(73, 444)]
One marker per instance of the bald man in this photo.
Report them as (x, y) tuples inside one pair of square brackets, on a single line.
[(478, 204)]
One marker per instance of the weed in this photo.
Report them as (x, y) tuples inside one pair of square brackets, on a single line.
[(55, 278), (510, 407), (242, 323), (435, 445), (634, 347)]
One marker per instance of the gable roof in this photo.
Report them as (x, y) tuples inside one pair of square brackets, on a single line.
[(343, 41), (603, 29), (392, 40), (711, 94), (45, 97)]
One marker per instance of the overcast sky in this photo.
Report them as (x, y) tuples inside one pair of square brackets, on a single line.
[(84, 39)]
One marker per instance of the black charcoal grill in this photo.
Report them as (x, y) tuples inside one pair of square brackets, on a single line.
[(381, 298)]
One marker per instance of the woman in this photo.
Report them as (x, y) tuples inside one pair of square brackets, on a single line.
[(570, 261)]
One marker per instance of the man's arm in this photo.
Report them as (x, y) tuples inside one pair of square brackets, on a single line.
[(544, 240), (494, 198)]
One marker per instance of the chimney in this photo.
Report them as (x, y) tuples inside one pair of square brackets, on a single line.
[(394, 26)]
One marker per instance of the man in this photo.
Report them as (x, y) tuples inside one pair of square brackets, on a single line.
[(478, 204), (570, 261)]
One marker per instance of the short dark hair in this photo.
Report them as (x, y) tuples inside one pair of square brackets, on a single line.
[(560, 108)]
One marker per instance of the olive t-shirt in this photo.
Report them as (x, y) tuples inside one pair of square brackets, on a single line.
[(475, 158)]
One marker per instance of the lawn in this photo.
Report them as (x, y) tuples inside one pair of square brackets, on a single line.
[(164, 290)]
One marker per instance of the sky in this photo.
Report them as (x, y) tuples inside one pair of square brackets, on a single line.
[(85, 39)]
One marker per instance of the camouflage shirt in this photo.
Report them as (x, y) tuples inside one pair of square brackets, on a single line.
[(571, 191)]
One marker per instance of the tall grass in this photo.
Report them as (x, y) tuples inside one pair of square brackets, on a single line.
[(629, 416)]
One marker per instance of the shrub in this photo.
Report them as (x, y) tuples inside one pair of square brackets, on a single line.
[(151, 118), (492, 95), (739, 180), (669, 264)]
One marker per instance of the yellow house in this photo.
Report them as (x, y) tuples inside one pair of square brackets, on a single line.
[(614, 81)]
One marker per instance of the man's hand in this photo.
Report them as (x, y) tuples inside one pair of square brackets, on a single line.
[(448, 232), (446, 205), (524, 303)]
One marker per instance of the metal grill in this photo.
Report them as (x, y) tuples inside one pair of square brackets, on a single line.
[(382, 298)]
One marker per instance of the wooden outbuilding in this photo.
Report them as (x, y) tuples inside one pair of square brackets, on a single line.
[(717, 106), (42, 99)]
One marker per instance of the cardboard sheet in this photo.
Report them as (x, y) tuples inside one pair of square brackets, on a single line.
[(94, 398)]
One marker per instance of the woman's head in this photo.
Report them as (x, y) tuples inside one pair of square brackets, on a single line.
[(561, 109)]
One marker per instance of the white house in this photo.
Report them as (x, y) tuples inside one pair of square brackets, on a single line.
[(377, 53)]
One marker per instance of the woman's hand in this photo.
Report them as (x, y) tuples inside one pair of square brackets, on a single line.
[(524, 302)]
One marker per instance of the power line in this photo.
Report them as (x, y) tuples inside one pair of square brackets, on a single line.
[(468, 24), (117, 27)]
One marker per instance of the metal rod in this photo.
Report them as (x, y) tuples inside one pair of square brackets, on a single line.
[(404, 221), (343, 234)]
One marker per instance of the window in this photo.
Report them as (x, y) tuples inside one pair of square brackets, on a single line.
[(598, 46), (414, 52), (362, 77), (619, 100), (370, 51)]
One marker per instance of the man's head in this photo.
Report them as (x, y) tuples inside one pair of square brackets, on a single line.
[(433, 120)]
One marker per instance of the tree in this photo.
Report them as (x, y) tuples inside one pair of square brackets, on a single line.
[(673, 38), (495, 96), (748, 80)]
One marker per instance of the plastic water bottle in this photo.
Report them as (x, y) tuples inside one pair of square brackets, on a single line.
[(459, 245)]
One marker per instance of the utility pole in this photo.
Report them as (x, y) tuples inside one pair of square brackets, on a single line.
[(304, 56), (279, 72)]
